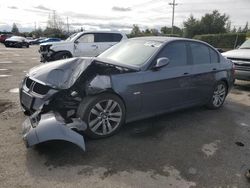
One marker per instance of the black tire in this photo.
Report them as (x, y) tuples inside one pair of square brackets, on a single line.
[(27, 45), (62, 55), (19, 45), (212, 104), (89, 103)]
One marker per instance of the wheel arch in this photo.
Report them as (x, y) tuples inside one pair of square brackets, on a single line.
[(109, 91), (226, 82), (63, 51)]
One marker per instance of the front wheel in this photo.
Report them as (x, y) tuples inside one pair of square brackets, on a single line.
[(103, 113), (219, 95)]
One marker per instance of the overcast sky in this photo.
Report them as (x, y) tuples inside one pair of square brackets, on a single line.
[(116, 14)]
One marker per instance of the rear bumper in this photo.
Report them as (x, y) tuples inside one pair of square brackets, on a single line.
[(38, 129), (242, 75)]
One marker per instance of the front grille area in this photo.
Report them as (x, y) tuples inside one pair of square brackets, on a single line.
[(241, 64), (36, 87), (40, 89), (28, 83), (242, 67)]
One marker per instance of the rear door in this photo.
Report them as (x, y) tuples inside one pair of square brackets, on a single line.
[(85, 46), (106, 40), (205, 62)]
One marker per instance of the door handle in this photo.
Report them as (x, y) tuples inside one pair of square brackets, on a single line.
[(185, 73), (214, 69), (95, 46)]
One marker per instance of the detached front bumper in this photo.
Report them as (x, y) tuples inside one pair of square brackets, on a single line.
[(47, 127)]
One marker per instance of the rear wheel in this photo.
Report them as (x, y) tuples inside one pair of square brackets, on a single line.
[(219, 95), (104, 114)]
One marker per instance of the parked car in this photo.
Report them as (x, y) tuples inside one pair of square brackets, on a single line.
[(17, 42), (3, 37), (36, 41), (241, 59), (135, 79), (46, 40), (80, 44)]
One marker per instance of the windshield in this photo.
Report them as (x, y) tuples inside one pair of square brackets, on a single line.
[(71, 37), (245, 45), (132, 52)]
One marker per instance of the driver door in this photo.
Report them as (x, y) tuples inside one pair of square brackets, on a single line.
[(85, 46)]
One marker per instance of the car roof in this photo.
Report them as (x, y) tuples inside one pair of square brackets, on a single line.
[(100, 31), (163, 39)]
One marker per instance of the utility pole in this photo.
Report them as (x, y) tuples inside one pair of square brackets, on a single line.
[(68, 24), (54, 19), (173, 4)]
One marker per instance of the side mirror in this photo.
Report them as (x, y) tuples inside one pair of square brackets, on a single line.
[(76, 42), (161, 62)]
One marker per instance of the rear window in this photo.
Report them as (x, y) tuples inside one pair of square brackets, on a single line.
[(214, 56), (200, 53), (108, 37)]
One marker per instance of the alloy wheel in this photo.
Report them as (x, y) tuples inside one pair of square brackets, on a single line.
[(105, 117), (219, 95)]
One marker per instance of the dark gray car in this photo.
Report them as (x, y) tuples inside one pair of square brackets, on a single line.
[(135, 79)]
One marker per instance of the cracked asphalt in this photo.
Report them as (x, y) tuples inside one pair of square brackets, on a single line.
[(190, 148)]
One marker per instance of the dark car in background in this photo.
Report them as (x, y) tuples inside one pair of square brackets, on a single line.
[(49, 40), (3, 37), (135, 79), (17, 42), (36, 41), (241, 59)]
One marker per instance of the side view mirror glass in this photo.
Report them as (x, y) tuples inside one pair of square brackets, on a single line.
[(161, 62)]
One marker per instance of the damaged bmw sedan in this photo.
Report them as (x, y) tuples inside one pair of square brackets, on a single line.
[(135, 79)]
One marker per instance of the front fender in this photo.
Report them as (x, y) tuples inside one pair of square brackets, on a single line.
[(50, 128), (98, 84), (58, 48)]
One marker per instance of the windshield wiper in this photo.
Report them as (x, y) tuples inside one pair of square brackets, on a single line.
[(245, 48)]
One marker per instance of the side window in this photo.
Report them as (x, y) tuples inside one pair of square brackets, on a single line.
[(87, 38), (116, 37), (103, 37), (107, 37), (214, 56), (176, 52), (200, 53)]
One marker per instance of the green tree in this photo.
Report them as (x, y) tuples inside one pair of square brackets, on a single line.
[(135, 32), (245, 29), (214, 23), (191, 27), (168, 30), (210, 23), (239, 30), (15, 29)]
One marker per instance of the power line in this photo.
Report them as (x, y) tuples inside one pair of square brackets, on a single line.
[(173, 5)]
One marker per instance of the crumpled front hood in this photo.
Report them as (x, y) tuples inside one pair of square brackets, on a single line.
[(238, 54), (60, 74)]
